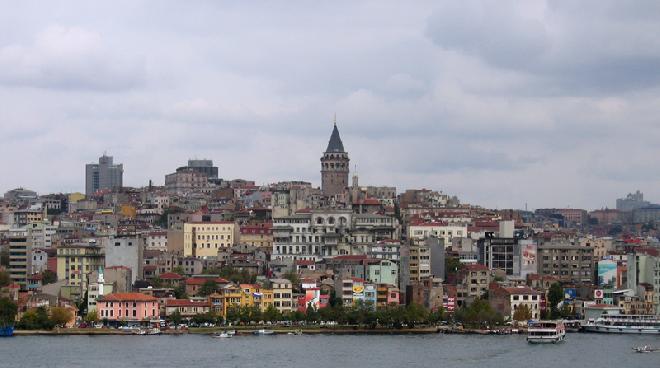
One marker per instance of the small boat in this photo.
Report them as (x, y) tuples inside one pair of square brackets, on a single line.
[(296, 333), (263, 332), (645, 349), (153, 331), (223, 335), (541, 332), (6, 331)]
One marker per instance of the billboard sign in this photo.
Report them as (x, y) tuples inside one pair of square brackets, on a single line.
[(528, 258), (607, 273), (570, 293)]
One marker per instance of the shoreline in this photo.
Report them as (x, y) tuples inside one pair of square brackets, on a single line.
[(241, 330)]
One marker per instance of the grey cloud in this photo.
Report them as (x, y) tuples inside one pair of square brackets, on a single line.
[(68, 58)]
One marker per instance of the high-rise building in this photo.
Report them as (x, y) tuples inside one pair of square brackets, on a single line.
[(334, 166), (205, 167), (104, 175)]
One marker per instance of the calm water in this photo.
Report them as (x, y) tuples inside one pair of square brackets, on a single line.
[(580, 350)]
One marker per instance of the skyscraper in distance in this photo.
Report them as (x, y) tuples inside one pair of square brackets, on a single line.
[(104, 175)]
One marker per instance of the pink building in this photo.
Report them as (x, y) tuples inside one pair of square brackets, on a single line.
[(128, 307)]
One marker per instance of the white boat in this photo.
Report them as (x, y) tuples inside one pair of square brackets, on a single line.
[(645, 349), (263, 332), (624, 324), (545, 332), (223, 335)]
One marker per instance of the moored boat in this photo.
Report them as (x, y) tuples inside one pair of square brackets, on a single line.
[(263, 332), (223, 335), (6, 331), (542, 332), (624, 324)]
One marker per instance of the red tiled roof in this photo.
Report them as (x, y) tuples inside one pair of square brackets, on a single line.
[(351, 257), (186, 303), (202, 280), (305, 262), (128, 297), (170, 276)]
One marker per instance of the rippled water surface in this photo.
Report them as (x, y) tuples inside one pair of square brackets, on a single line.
[(579, 350)]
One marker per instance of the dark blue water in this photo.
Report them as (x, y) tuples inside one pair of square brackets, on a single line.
[(579, 350)]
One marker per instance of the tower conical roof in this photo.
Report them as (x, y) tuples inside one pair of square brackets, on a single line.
[(335, 144)]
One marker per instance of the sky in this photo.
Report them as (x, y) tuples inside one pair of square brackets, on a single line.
[(502, 103)]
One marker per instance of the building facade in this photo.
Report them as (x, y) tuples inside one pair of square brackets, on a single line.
[(104, 175)]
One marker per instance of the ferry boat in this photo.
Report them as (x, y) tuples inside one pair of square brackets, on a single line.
[(624, 324), (545, 332)]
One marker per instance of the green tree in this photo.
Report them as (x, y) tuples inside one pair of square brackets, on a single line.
[(60, 316), (555, 296), (4, 279), (176, 319), (209, 287), (272, 314), (48, 277), (179, 270), (4, 257), (180, 292), (8, 310), (522, 313), (92, 317), (479, 314), (35, 319)]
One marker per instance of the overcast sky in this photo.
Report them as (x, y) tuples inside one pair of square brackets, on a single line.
[(501, 103)]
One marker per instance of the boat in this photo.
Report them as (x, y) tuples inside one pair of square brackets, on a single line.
[(296, 333), (6, 331), (223, 335), (624, 324), (572, 325), (542, 332), (263, 332), (645, 349), (154, 331)]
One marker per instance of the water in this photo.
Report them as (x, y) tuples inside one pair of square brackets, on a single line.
[(328, 351)]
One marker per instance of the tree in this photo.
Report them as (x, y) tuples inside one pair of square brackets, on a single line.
[(179, 270), (180, 292), (48, 277), (176, 319), (555, 296), (92, 317), (4, 279), (60, 316), (35, 319), (209, 287), (8, 310), (479, 314), (272, 314), (4, 257), (522, 313)]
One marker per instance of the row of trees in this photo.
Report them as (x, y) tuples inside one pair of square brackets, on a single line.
[(44, 319), (395, 316)]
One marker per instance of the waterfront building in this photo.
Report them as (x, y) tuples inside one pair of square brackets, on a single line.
[(506, 300), (98, 289), (187, 307), (104, 175), (474, 280), (282, 294), (427, 292), (128, 307)]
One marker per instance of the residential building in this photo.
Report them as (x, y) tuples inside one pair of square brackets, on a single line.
[(124, 251), (426, 292), (282, 294), (187, 307), (506, 300), (20, 261), (104, 175), (257, 235), (570, 263), (76, 261), (473, 283), (205, 239), (441, 230)]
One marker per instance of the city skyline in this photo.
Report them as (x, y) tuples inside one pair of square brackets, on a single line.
[(561, 114)]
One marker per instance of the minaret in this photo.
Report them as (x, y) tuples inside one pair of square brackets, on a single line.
[(334, 166)]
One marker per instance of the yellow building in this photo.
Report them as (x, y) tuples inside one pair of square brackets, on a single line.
[(205, 239), (244, 295), (75, 197), (257, 235), (127, 210), (76, 261)]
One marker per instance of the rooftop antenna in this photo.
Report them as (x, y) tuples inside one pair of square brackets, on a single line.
[(335, 120)]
